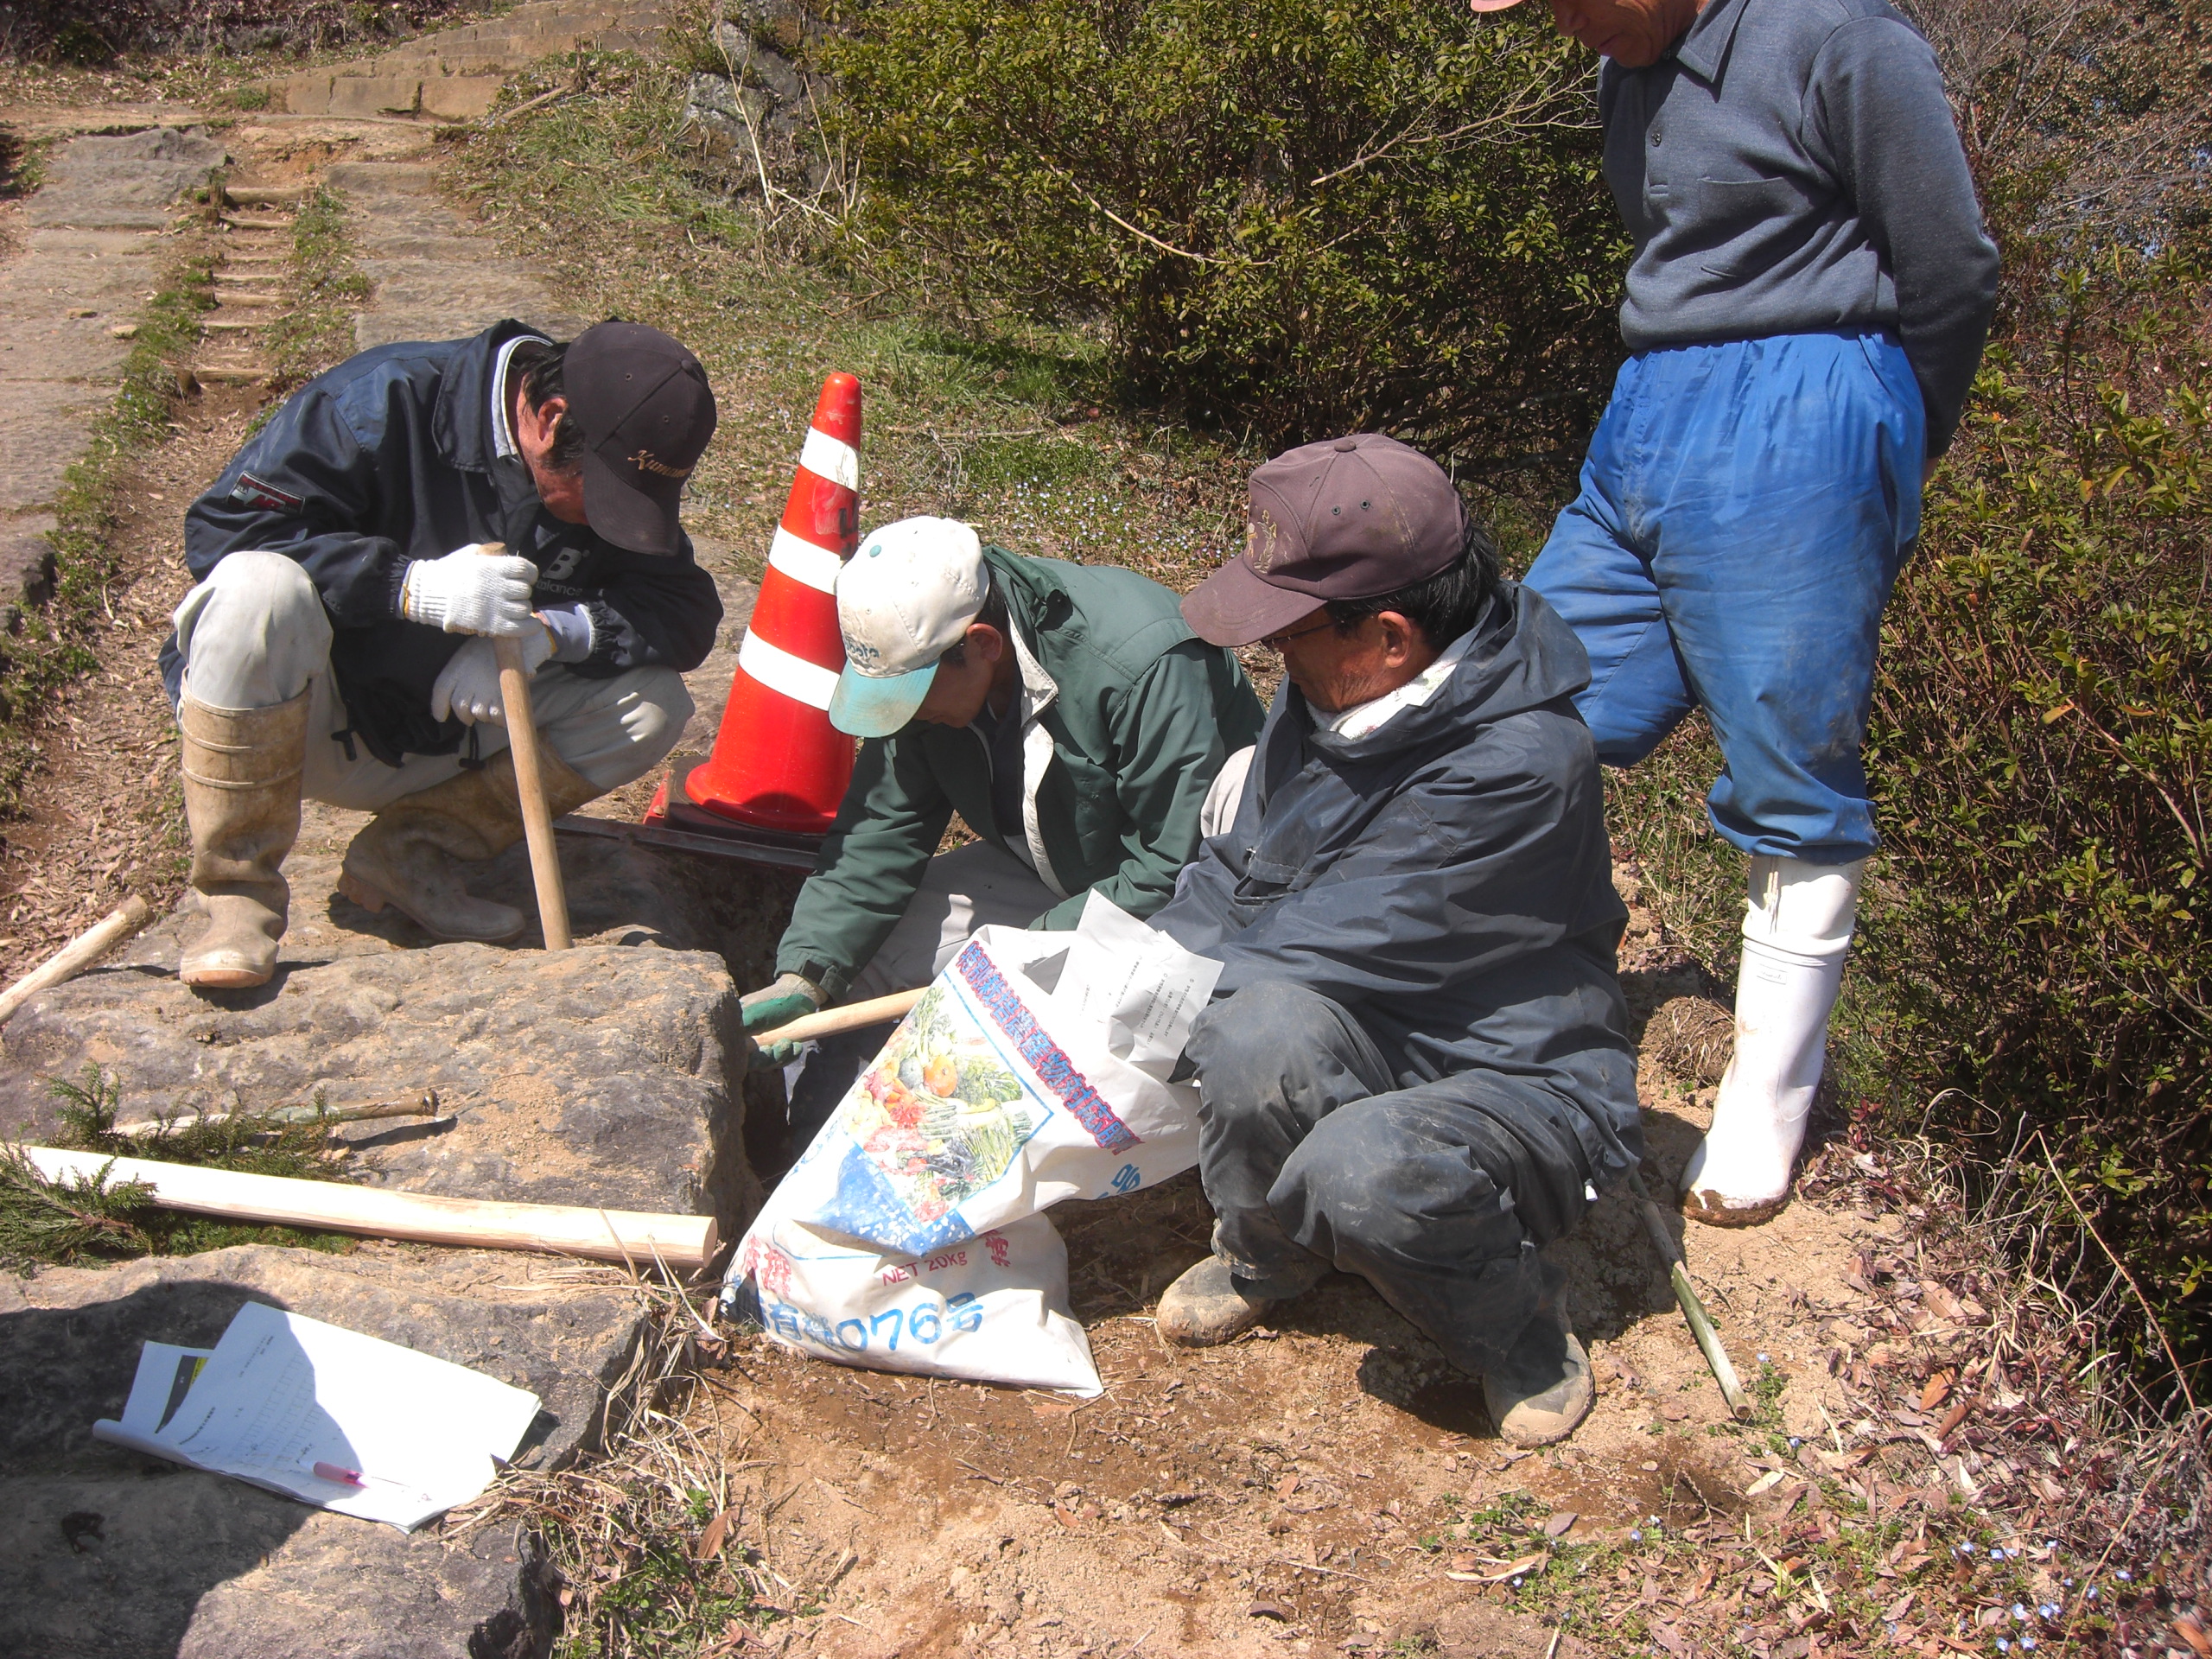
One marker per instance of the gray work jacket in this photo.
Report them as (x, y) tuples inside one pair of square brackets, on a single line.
[(1790, 167), (1446, 878)]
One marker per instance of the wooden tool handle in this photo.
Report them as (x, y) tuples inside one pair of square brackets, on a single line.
[(529, 787), (854, 1016), (682, 1241), (81, 953)]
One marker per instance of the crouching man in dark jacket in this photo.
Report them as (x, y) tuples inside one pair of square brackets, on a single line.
[(1416, 1065), (339, 645)]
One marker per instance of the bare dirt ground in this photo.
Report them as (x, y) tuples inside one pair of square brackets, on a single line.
[(1324, 1484)]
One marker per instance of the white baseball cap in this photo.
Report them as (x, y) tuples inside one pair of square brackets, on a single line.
[(903, 601)]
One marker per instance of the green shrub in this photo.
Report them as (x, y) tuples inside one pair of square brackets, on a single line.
[(1280, 213), (2042, 741)]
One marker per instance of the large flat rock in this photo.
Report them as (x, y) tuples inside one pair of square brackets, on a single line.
[(114, 1554), (125, 183), (596, 1076)]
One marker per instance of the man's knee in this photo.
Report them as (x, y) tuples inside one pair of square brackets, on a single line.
[(254, 632), (1242, 1045), (1377, 1183), (623, 727), (665, 709)]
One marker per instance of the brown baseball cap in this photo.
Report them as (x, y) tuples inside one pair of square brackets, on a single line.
[(1349, 518), (645, 410)]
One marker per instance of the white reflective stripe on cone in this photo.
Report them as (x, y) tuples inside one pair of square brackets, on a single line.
[(831, 458), (794, 676), (802, 561)]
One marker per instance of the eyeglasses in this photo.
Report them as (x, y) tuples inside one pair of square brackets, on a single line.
[(1277, 641)]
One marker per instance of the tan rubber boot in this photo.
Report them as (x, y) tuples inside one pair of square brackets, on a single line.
[(1539, 1394), (408, 856), (1209, 1304), (242, 800)]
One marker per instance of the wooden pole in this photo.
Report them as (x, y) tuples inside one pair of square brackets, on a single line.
[(854, 1016), (625, 1236), (81, 953), (530, 787)]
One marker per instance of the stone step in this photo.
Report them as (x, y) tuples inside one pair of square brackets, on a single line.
[(249, 299), (230, 374), (265, 195), (215, 327), (238, 224)]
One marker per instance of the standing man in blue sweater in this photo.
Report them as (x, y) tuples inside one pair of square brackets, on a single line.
[(1807, 305)]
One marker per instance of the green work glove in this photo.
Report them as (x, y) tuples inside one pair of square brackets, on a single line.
[(789, 998)]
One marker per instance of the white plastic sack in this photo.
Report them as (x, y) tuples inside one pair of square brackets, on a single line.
[(909, 1237)]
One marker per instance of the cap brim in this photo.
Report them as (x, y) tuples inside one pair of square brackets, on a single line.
[(638, 521), (1234, 608), (1492, 5), (860, 707)]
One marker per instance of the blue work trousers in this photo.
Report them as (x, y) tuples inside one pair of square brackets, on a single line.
[(1441, 1196), (1742, 513)]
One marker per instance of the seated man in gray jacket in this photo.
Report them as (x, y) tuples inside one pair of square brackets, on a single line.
[(1417, 1065)]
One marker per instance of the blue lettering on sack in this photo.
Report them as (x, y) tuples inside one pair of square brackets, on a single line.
[(925, 1325), (1053, 1068), (1127, 1179)]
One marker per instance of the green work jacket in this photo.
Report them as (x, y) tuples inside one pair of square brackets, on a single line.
[(1126, 716)]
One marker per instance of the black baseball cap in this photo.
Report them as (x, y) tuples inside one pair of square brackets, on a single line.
[(1352, 518), (645, 410)]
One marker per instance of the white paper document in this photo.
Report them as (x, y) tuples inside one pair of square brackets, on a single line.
[(329, 1416), (1137, 987)]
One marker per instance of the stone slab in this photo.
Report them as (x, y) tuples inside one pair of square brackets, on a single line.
[(113, 1553), (44, 425), (596, 1076), (460, 96), (124, 183), (26, 562), (375, 95)]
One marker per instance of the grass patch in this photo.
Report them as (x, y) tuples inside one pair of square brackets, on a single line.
[(96, 1217), (327, 288)]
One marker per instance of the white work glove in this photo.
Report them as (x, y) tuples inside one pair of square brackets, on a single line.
[(467, 593), (468, 685)]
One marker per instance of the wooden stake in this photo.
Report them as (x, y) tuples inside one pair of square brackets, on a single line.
[(625, 1236), (81, 953), (854, 1016), (530, 787)]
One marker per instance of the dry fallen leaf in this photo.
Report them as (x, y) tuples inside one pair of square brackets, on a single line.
[(1286, 1486), (1952, 1419), (710, 1541), (1267, 1610), (2193, 1633), (1898, 1608), (1938, 1390), (1557, 1526), (1511, 1570), (1765, 1483)]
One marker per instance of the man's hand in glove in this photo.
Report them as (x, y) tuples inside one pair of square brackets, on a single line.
[(468, 687), (788, 998), (466, 592)]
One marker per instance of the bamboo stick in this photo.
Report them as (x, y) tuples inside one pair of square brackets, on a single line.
[(853, 1016), (530, 787), (1700, 1322), (81, 953), (425, 1106), (626, 1236)]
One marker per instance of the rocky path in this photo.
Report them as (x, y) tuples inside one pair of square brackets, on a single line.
[(602, 1078)]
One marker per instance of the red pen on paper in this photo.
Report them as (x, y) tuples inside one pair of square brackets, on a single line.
[(331, 1471)]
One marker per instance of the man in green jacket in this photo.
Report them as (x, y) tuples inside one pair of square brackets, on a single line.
[(1066, 712)]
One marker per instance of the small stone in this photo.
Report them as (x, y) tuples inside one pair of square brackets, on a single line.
[(82, 311), (124, 331)]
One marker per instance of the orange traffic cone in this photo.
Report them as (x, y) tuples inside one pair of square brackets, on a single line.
[(777, 764)]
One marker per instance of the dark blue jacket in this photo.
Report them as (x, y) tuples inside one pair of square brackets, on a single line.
[(1447, 878), (393, 456)]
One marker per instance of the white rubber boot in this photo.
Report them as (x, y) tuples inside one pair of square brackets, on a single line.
[(1796, 928)]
